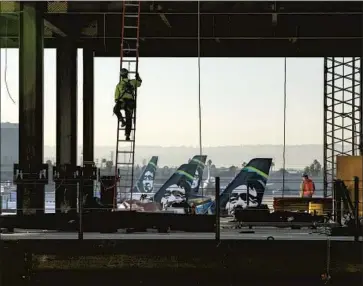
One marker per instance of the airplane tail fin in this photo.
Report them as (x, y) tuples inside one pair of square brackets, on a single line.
[(198, 160), (182, 178), (145, 183), (254, 177)]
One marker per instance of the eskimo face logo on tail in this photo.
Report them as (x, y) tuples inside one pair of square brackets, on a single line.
[(239, 197), (176, 193), (173, 194), (148, 182)]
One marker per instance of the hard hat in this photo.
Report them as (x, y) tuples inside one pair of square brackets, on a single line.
[(124, 72), (305, 175)]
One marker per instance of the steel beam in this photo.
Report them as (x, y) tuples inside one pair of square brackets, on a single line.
[(88, 118), (30, 195), (342, 113), (66, 125)]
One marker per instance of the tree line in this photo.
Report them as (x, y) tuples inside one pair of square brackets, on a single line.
[(314, 169)]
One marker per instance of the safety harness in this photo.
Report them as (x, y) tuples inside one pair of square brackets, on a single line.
[(127, 88)]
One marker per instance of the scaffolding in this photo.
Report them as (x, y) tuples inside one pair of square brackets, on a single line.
[(342, 113)]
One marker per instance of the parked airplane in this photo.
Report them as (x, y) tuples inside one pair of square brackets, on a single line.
[(143, 197), (200, 161), (145, 183), (176, 189), (252, 177), (209, 183)]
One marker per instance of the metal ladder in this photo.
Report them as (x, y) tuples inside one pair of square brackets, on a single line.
[(129, 59)]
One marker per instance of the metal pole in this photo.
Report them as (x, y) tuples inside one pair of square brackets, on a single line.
[(199, 94), (334, 202), (360, 116), (284, 148), (80, 206), (1, 196), (338, 201), (248, 194), (217, 201), (325, 127), (356, 208)]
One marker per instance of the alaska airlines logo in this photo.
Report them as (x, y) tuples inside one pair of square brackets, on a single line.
[(176, 193), (239, 197), (173, 194), (146, 185)]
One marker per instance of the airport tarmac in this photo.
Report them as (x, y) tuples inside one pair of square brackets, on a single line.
[(244, 234)]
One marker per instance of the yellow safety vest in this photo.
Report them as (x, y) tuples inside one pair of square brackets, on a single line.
[(121, 92)]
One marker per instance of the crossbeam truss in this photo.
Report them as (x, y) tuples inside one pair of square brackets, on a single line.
[(342, 113)]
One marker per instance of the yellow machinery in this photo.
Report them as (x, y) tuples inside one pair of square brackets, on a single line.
[(347, 168), (316, 208)]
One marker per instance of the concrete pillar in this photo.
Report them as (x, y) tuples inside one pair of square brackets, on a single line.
[(88, 117), (66, 191), (30, 197)]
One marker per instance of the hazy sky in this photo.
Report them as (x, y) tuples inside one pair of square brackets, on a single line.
[(242, 100)]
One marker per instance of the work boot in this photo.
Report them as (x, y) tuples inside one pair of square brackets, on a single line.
[(121, 119), (127, 137), (123, 123)]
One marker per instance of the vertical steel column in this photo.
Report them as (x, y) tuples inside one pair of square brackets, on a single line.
[(30, 196), (218, 208), (342, 113), (88, 117), (66, 192)]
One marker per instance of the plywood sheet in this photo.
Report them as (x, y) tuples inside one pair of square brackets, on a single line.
[(347, 168)]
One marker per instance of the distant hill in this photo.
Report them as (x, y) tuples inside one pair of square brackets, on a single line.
[(297, 156)]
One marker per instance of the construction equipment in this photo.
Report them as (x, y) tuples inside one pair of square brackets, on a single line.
[(345, 213), (129, 59)]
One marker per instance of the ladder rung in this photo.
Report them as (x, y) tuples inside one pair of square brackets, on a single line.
[(124, 128), (125, 152), (129, 61), (123, 140), (131, 15), (133, 39), (131, 5), (130, 27), (130, 50), (121, 125), (126, 163)]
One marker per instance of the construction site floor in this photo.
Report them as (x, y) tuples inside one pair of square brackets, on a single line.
[(258, 233)]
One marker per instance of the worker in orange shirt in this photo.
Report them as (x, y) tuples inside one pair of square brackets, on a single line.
[(307, 187)]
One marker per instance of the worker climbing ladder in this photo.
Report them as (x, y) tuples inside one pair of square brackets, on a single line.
[(129, 59)]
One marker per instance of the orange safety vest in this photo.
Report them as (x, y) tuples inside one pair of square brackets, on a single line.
[(308, 188)]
